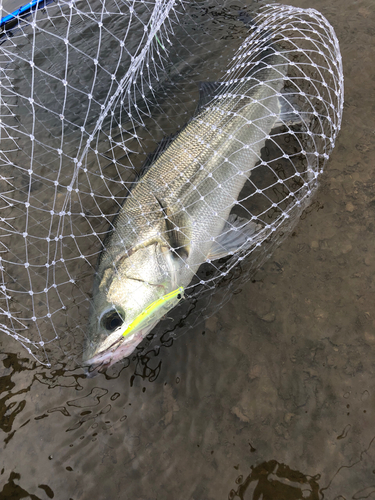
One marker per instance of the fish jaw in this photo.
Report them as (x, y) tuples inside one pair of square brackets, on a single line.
[(129, 288), (118, 351)]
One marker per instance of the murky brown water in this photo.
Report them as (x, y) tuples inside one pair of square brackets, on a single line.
[(271, 399)]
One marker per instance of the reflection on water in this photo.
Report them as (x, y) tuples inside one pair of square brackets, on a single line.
[(274, 481), (13, 490), (271, 399)]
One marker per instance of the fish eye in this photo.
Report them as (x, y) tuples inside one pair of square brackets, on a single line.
[(112, 320)]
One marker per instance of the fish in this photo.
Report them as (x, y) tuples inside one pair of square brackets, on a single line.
[(178, 214)]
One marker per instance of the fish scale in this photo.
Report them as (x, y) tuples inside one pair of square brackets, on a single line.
[(251, 120)]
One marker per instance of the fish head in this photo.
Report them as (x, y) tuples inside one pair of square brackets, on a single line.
[(130, 297)]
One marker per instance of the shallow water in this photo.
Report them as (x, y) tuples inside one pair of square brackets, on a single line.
[(272, 398)]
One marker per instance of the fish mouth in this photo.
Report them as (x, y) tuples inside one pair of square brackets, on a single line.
[(119, 350), (127, 340)]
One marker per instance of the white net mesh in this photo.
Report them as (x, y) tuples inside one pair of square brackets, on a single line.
[(103, 111)]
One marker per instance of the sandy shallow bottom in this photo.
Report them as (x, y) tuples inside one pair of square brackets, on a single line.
[(272, 398)]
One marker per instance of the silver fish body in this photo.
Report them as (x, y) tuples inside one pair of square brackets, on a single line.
[(176, 216)]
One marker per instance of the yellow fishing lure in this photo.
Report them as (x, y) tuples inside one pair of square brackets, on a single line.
[(170, 299)]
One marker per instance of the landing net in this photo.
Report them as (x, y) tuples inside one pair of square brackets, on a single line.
[(93, 92)]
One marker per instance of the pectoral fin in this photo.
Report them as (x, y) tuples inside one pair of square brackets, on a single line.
[(177, 231), (207, 91), (290, 114), (238, 234)]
